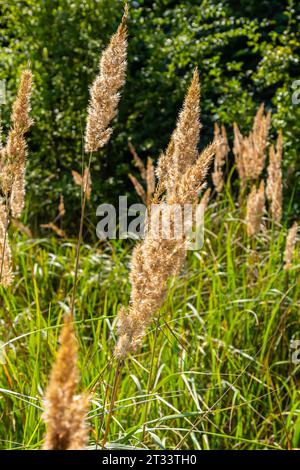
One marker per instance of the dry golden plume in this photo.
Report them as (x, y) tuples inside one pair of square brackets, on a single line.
[(274, 182), (290, 246), (12, 172), (237, 151), (182, 149), (104, 93), (188, 186), (157, 257), (17, 200), (250, 151), (13, 155), (255, 209), (220, 158), (65, 411)]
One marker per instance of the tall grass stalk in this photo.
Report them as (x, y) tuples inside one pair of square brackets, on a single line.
[(104, 98)]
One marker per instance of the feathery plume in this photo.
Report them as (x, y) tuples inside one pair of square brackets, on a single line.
[(21, 107), (157, 257), (274, 182), (64, 410), (61, 207), (182, 149), (163, 165), (289, 247), (250, 151), (187, 187), (6, 274), (138, 161), (104, 93), (220, 158), (237, 151), (12, 172), (255, 209), (17, 200), (13, 155), (153, 263)]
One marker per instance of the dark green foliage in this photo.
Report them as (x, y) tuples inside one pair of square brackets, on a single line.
[(247, 52)]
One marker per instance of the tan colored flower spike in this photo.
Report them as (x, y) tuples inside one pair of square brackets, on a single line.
[(12, 172), (274, 182), (250, 151), (13, 155), (157, 258), (221, 157), (104, 93), (255, 209), (65, 411), (289, 247), (182, 150)]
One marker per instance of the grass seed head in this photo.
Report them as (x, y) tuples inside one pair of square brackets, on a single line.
[(65, 411), (274, 182), (13, 155), (222, 151), (158, 258), (250, 151), (182, 150), (255, 209), (104, 93), (289, 247)]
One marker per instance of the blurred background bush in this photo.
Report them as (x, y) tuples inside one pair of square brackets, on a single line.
[(247, 52)]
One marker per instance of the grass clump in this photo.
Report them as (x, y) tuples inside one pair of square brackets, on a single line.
[(202, 357)]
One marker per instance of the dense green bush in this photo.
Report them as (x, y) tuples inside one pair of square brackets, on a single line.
[(247, 52)]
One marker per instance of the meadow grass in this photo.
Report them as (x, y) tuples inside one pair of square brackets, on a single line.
[(215, 369)]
